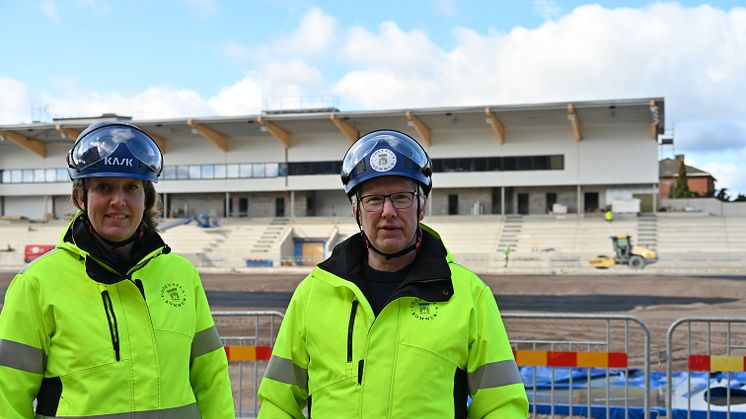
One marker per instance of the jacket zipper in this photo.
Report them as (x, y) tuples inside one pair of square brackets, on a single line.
[(350, 330), (111, 318)]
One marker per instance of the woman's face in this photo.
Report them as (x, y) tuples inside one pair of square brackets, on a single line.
[(115, 207)]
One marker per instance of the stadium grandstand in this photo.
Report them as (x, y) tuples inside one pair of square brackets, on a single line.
[(531, 178)]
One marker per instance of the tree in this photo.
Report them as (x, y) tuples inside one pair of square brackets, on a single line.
[(681, 188), (722, 195)]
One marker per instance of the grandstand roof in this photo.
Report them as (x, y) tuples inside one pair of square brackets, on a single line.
[(280, 126)]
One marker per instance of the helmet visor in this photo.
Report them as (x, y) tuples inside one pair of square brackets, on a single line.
[(100, 145), (358, 151)]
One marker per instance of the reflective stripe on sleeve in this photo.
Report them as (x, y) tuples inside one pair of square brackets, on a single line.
[(21, 357), (185, 412), (285, 371), (205, 342), (496, 374)]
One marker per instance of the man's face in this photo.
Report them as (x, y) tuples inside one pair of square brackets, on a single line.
[(115, 207), (390, 229)]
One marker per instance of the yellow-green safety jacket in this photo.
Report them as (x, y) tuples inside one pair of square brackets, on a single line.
[(88, 342), (438, 339)]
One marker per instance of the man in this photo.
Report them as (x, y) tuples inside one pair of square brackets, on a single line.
[(389, 326)]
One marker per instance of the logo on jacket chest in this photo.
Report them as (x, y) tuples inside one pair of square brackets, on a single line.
[(173, 294), (423, 310)]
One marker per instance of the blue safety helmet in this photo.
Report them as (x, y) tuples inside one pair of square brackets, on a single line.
[(386, 153), (115, 149)]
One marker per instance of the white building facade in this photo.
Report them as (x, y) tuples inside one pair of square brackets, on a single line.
[(517, 159)]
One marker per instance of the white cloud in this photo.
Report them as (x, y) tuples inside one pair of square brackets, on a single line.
[(243, 97), (152, 103), (15, 102), (392, 50), (547, 9), (235, 51), (49, 8), (728, 175), (313, 36)]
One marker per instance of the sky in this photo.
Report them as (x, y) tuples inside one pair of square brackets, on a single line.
[(188, 58)]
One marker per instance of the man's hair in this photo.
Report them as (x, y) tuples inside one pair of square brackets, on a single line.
[(151, 214)]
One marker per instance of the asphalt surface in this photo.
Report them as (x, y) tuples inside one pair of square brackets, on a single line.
[(576, 303), (594, 303)]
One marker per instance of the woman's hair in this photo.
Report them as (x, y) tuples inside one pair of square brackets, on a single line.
[(151, 215)]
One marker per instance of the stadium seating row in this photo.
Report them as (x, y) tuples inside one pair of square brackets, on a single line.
[(537, 242)]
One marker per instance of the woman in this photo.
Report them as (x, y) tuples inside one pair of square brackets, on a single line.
[(111, 322)]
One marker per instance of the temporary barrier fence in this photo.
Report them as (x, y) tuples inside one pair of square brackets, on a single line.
[(584, 373), (714, 357), (580, 380), (248, 337)]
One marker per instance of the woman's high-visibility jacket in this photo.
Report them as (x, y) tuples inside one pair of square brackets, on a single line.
[(439, 338), (86, 341)]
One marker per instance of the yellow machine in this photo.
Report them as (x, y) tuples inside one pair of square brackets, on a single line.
[(637, 257)]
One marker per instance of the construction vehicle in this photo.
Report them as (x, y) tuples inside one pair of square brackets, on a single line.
[(636, 257)]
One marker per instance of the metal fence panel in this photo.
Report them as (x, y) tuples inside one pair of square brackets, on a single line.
[(600, 345), (248, 337), (710, 352)]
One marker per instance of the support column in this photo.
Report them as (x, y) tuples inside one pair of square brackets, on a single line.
[(165, 206), (655, 199), (292, 204), (580, 210), (502, 201), (227, 209)]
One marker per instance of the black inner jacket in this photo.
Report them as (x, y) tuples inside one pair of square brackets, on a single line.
[(429, 277), (81, 234)]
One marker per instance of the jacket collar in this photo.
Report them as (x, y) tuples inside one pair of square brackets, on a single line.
[(100, 265), (429, 278)]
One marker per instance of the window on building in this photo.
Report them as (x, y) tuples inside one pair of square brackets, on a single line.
[(244, 170), (169, 172), (271, 169), (182, 172), (50, 175), (208, 171), (493, 164), (231, 171), (257, 170), (219, 171)]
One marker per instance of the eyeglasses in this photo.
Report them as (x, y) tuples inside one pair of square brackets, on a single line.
[(400, 200)]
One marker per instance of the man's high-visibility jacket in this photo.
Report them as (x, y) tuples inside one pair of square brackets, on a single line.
[(88, 342), (438, 339)]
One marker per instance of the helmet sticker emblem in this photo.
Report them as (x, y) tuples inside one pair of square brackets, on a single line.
[(382, 160)]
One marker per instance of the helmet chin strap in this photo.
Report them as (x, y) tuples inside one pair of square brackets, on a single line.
[(414, 246), (368, 245)]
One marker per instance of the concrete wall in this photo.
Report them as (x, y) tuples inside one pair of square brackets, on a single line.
[(707, 205)]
